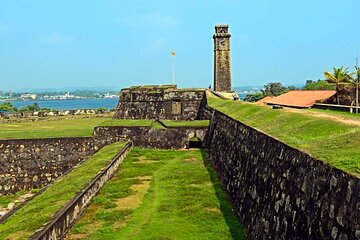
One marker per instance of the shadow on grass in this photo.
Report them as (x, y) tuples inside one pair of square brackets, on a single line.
[(238, 231)]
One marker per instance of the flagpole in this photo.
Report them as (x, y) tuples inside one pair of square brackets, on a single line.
[(357, 83), (173, 67)]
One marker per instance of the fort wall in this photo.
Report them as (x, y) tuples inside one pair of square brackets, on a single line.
[(147, 137), (159, 102), (33, 163), (280, 192)]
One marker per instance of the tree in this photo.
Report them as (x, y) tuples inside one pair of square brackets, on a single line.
[(7, 106), (274, 89), (30, 108), (355, 81), (339, 78), (318, 85), (254, 97)]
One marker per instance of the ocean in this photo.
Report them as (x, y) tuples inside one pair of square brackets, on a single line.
[(72, 104)]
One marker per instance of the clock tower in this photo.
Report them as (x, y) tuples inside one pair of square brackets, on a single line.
[(222, 65)]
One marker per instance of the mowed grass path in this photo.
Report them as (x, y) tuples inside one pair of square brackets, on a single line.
[(331, 141), (51, 128), (42, 208), (161, 194)]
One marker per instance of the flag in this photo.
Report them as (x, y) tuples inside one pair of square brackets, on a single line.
[(173, 53)]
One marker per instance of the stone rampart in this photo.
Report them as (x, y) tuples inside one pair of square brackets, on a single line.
[(280, 192), (168, 138), (63, 220), (159, 102), (32, 163)]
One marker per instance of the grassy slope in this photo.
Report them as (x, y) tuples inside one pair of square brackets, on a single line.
[(195, 123), (41, 209), (161, 194), (345, 115), (331, 141), (81, 127), (126, 122)]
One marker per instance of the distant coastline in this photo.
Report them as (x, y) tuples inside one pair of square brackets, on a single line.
[(69, 104)]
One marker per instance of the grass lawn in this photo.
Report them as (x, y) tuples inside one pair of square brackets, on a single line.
[(331, 141), (52, 128), (126, 122), (195, 123), (41, 209), (161, 194)]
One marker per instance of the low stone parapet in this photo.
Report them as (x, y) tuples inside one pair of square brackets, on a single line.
[(61, 223)]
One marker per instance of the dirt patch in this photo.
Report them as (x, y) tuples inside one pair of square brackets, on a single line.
[(77, 236), (190, 160), (143, 159), (134, 200), (216, 210), (88, 228), (325, 115)]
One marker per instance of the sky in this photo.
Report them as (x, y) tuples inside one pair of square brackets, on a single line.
[(115, 44)]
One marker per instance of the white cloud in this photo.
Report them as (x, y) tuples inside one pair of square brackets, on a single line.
[(56, 39), (3, 28), (150, 20)]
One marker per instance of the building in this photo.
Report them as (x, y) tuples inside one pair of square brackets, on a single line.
[(159, 102), (222, 63), (301, 98), (30, 96)]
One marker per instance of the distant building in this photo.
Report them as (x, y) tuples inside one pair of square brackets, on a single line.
[(108, 95), (28, 96), (301, 98)]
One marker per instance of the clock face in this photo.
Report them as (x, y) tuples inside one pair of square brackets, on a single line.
[(222, 42)]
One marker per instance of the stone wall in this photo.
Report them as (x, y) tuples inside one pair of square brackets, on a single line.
[(159, 102), (32, 163), (169, 138), (280, 192), (64, 219)]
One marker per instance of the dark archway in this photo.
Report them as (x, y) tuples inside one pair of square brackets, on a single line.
[(195, 142)]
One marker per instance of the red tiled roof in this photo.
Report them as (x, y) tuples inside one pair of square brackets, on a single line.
[(301, 98), (264, 100)]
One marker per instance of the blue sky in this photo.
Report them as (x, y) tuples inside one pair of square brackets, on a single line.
[(53, 44)]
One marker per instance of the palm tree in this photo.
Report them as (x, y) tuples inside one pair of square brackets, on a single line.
[(339, 78), (355, 81)]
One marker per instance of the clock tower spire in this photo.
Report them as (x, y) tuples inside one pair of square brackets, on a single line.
[(222, 65)]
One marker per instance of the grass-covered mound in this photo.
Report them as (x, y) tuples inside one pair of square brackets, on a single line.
[(161, 194), (126, 122), (333, 142), (51, 128), (194, 123), (42, 208)]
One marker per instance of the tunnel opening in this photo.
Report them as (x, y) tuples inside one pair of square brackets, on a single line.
[(195, 142)]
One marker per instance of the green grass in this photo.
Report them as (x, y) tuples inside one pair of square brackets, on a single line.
[(195, 123), (161, 194), (326, 139), (126, 122), (157, 125), (338, 113), (52, 128), (41, 209), (5, 200)]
